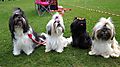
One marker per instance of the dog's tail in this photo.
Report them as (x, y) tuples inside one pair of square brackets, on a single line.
[(68, 41), (44, 34)]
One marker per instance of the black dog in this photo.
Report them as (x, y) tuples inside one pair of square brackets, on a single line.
[(80, 37)]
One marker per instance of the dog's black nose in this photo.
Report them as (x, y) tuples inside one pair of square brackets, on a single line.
[(19, 17), (58, 25)]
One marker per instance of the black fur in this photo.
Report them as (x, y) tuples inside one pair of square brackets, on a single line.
[(36, 36), (48, 28), (80, 37)]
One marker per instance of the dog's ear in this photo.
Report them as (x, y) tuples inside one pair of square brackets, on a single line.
[(48, 30), (109, 19), (63, 28), (25, 25), (112, 37), (93, 36), (11, 27), (11, 24), (75, 18), (113, 34)]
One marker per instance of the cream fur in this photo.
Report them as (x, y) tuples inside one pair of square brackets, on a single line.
[(105, 48)]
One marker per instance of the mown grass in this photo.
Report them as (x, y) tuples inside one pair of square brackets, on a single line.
[(71, 57)]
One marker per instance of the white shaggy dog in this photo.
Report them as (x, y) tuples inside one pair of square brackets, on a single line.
[(54, 37), (103, 40)]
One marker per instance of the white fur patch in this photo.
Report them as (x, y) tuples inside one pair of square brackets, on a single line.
[(22, 42), (56, 41)]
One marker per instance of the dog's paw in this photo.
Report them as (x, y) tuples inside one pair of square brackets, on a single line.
[(28, 53), (47, 50), (16, 53), (106, 56), (115, 55), (59, 51), (65, 45), (91, 53)]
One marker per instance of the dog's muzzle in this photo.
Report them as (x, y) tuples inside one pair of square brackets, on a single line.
[(19, 22), (104, 33), (57, 25)]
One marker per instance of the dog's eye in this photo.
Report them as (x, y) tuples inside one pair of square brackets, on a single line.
[(57, 22), (98, 31), (15, 16)]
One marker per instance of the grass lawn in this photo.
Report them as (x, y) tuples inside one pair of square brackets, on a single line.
[(70, 57)]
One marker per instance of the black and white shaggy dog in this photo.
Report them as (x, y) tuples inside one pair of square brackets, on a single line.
[(20, 29), (80, 37)]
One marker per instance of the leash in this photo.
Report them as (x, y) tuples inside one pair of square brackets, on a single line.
[(42, 42)]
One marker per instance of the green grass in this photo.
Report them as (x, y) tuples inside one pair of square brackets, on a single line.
[(70, 57)]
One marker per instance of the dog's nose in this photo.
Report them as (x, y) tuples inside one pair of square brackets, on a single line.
[(18, 16), (81, 24), (58, 25)]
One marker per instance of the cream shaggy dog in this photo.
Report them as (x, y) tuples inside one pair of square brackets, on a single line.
[(103, 40)]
